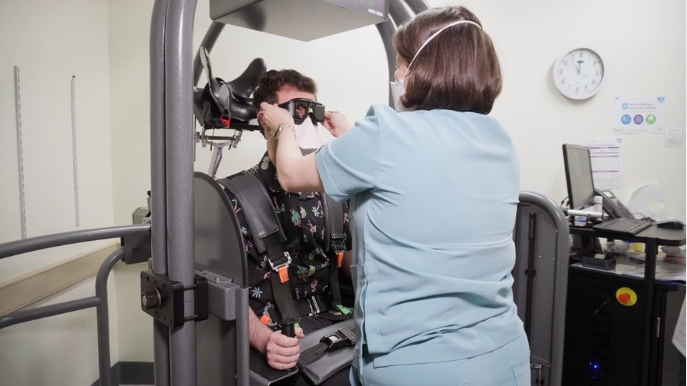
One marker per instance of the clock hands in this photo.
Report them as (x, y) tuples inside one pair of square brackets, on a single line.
[(579, 68), (572, 60)]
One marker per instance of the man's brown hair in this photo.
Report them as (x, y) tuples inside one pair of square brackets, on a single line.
[(458, 70), (272, 81)]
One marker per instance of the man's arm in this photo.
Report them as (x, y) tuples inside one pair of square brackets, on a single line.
[(258, 333)]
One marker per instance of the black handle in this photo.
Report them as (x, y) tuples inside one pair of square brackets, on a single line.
[(288, 327)]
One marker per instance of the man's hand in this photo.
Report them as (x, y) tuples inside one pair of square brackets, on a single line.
[(282, 352), (336, 123)]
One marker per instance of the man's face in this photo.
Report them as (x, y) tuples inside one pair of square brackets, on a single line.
[(287, 93)]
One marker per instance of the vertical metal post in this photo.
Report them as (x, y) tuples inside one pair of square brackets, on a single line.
[(398, 12), (158, 191), (208, 42), (530, 272), (386, 31), (242, 340), (102, 316), (179, 179), (647, 322), (417, 6)]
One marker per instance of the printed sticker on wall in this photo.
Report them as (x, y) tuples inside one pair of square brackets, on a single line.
[(639, 115)]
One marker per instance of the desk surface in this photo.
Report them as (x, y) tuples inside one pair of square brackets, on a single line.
[(671, 237), (666, 273)]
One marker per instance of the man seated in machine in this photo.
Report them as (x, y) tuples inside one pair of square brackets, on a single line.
[(303, 219)]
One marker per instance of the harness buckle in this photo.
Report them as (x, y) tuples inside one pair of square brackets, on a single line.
[(339, 339), (338, 246), (284, 264)]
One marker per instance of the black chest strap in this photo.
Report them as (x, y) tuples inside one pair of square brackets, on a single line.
[(268, 236)]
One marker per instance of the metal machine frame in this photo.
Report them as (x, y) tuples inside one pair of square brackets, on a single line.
[(173, 74)]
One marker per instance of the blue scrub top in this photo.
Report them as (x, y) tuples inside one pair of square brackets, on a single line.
[(434, 198)]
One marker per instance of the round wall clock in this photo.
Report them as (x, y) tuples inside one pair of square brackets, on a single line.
[(579, 73)]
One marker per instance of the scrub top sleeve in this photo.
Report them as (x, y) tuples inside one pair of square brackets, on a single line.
[(348, 165)]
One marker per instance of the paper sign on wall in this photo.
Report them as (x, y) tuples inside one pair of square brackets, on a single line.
[(605, 157), (673, 136), (639, 115)]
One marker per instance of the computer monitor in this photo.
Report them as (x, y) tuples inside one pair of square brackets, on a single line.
[(578, 175)]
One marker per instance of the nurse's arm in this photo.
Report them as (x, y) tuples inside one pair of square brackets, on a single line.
[(296, 173)]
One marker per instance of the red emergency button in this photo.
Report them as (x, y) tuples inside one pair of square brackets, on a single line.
[(626, 296)]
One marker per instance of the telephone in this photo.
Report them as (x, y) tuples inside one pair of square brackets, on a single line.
[(612, 205)]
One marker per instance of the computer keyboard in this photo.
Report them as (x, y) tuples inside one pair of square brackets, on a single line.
[(623, 225)]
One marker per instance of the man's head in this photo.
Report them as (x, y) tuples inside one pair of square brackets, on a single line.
[(282, 86)]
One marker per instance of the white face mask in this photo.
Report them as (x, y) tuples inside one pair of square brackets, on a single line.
[(307, 136), (397, 87)]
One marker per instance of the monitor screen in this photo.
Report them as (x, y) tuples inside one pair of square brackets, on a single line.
[(578, 175)]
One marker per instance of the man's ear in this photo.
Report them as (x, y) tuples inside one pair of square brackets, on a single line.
[(261, 116)]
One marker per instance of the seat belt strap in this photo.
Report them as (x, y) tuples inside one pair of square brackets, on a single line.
[(330, 342), (268, 235)]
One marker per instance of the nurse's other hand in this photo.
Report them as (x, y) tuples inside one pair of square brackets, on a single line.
[(336, 123), (273, 116), (282, 352)]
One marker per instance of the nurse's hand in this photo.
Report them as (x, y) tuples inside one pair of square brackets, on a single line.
[(282, 352), (336, 123), (273, 116)]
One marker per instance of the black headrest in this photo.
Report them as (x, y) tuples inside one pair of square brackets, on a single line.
[(234, 102)]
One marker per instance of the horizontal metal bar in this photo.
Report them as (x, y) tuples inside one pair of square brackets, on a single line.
[(47, 311), (55, 240)]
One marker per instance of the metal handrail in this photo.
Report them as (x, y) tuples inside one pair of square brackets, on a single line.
[(55, 240), (99, 301)]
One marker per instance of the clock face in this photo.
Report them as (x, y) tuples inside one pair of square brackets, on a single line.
[(579, 73)]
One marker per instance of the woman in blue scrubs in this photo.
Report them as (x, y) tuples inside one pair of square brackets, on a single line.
[(434, 189)]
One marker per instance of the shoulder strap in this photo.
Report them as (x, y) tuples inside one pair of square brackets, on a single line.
[(334, 221), (267, 233)]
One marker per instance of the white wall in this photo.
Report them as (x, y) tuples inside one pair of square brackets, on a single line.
[(51, 41), (61, 350), (134, 327), (642, 43), (643, 47)]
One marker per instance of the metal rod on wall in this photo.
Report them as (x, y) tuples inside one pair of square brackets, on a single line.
[(75, 154), (20, 151)]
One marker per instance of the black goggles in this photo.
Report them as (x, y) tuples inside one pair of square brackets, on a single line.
[(302, 108)]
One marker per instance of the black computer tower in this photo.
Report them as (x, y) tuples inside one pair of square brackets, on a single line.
[(603, 337)]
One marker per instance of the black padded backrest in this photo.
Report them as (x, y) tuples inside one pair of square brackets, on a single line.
[(257, 207), (219, 245)]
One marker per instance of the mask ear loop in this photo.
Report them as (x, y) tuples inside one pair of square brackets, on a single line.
[(433, 36)]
